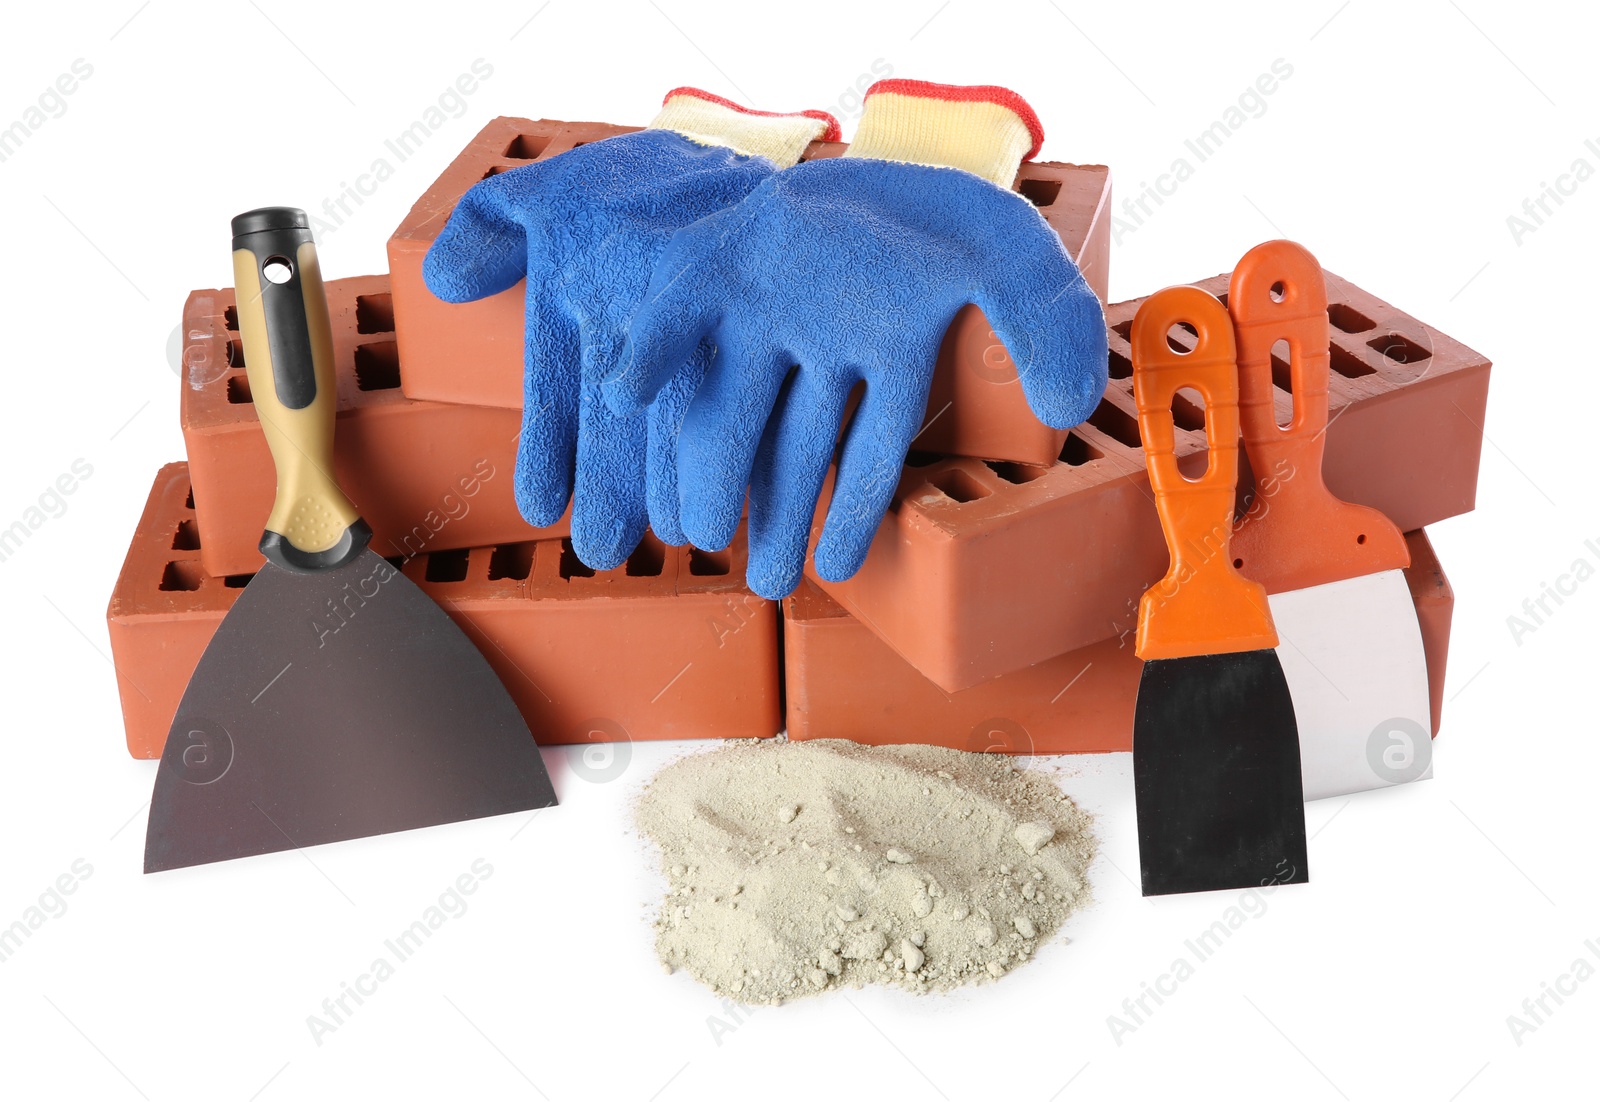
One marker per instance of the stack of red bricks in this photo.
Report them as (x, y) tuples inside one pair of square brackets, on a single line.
[(995, 611)]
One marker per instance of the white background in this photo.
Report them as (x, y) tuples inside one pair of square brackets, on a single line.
[(1404, 138)]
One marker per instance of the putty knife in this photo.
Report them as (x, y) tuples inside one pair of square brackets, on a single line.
[(336, 700), (1349, 640), (1216, 757)]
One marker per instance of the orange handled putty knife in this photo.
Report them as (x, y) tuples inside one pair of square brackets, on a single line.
[(1349, 640), (1216, 756)]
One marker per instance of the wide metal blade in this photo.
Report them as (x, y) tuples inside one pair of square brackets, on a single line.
[(1353, 656), (1216, 775), (334, 705)]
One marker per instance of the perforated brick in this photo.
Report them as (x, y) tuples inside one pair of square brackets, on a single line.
[(670, 645), (472, 352), (425, 475), (842, 681), (983, 568)]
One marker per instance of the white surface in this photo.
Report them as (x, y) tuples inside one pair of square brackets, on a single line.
[(1351, 652), (1405, 137)]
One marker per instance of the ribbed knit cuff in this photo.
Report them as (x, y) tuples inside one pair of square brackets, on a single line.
[(981, 128), (711, 120)]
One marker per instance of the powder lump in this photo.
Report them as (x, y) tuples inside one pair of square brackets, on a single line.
[(797, 867)]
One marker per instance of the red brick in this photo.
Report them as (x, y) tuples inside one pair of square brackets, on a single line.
[(668, 646), (425, 475), (472, 352), (981, 568), (842, 681)]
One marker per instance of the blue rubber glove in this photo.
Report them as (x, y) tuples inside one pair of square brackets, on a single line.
[(850, 270), (585, 228)]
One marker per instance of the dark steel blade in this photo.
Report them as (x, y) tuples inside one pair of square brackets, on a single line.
[(331, 705), (1216, 775)]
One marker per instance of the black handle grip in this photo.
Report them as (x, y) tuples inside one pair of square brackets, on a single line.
[(275, 236)]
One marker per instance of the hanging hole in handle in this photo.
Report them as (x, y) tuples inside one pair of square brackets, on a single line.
[(277, 269), (1277, 291), (1182, 337), (1362, 538)]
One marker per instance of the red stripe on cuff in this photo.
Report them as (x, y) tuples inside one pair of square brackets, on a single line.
[(830, 134), (969, 93)]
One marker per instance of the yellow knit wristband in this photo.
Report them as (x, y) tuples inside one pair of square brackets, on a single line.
[(711, 120), (982, 129)]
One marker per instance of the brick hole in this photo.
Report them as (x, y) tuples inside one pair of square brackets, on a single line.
[(1118, 366), (1077, 451), (710, 564), (511, 560), (1347, 363), (1399, 349), (235, 354), (1282, 377), (647, 560), (1115, 423), (378, 365), (237, 581), (527, 147), (186, 537), (1182, 337), (959, 485), (230, 318), (182, 577), (446, 566), (396, 561), (922, 459), (239, 389), (1347, 319), (1041, 193), (1189, 410), (1019, 474), (571, 565), (1124, 329), (375, 313), (1223, 298), (188, 501)]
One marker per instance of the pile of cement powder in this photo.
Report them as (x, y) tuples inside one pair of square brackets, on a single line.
[(796, 867)]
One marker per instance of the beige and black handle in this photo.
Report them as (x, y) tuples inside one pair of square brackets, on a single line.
[(288, 354)]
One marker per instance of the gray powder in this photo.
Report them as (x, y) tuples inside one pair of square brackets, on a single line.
[(797, 867)]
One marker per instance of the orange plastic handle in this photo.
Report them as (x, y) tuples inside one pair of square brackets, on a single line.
[(1203, 605), (1296, 533)]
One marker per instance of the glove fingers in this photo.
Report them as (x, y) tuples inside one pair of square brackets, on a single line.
[(789, 470), (652, 434), (661, 464), (482, 249), (608, 502), (717, 446), (667, 327), (1052, 324), (875, 447), (546, 446)]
